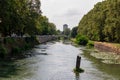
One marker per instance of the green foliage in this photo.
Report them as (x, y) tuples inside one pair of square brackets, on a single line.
[(3, 51), (27, 46), (21, 17), (81, 40), (13, 48), (90, 44), (102, 23), (9, 40), (67, 32), (74, 32), (79, 70), (32, 39), (16, 50), (58, 32)]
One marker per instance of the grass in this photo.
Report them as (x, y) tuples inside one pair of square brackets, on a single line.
[(116, 44), (90, 44)]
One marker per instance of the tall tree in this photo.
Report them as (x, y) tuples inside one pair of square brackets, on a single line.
[(102, 23), (22, 17), (74, 32)]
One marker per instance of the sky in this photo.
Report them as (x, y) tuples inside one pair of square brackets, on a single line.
[(69, 12)]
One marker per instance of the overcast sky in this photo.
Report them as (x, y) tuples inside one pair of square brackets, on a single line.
[(66, 11)]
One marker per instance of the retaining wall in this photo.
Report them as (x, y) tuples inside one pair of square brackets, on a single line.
[(103, 46)]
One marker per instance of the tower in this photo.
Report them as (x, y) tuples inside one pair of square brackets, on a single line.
[(65, 26)]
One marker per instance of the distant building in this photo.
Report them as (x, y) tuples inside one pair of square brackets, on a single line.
[(66, 30), (65, 26)]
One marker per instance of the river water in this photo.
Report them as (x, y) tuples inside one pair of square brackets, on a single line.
[(56, 61)]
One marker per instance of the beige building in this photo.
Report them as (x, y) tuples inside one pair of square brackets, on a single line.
[(65, 26)]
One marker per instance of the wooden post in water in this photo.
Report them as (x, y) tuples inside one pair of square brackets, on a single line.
[(78, 61)]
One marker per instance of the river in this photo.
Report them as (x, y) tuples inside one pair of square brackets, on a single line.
[(56, 61)]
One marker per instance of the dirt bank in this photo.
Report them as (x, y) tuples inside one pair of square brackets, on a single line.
[(109, 47)]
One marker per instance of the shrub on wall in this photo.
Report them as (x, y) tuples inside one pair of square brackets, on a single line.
[(9, 40), (3, 51), (16, 50)]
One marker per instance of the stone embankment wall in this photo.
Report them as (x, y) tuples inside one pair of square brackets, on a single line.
[(103, 46), (46, 38), (13, 47)]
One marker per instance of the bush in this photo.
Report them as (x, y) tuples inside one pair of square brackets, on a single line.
[(3, 51), (81, 40), (9, 40), (16, 50), (90, 44), (32, 39), (27, 46)]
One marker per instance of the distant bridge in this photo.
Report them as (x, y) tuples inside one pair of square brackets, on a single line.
[(46, 38), (41, 38)]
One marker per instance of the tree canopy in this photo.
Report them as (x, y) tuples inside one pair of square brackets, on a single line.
[(74, 32), (22, 17), (102, 23)]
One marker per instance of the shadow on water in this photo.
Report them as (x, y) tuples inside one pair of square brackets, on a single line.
[(7, 68), (111, 69), (77, 76), (13, 68)]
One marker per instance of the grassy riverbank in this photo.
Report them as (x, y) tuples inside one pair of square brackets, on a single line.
[(13, 48), (108, 45), (90, 44), (108, 53)]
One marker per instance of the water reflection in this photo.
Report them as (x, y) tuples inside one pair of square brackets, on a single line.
[(77, 76), (7, 68), (110, 69)]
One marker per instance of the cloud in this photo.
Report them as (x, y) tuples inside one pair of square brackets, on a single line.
[(70, 13), (73, 12), (66, 11)]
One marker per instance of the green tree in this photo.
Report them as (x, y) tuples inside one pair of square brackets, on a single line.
[(74, 32), (67, 32), (102, 23), (22, 17)]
